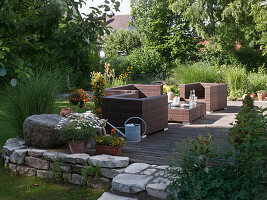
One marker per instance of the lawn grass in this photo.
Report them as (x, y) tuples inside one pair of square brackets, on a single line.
[(66, 104), (16, 187)]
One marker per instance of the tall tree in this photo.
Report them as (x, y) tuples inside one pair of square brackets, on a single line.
[(222, 21), (259, 13), (162, 29), (50, 33)]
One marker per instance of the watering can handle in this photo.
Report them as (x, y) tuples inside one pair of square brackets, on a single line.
[(141, 120)]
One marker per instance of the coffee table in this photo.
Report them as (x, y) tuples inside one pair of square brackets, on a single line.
[(186, 114)]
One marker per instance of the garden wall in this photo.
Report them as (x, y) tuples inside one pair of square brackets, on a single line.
[(137, 180)]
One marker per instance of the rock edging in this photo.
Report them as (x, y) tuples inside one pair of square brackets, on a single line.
[(139, 180)]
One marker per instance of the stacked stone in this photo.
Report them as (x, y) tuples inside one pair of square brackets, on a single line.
[(37, 162), (139, 180)]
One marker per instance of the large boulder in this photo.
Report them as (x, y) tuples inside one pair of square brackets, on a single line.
[(39, 131)]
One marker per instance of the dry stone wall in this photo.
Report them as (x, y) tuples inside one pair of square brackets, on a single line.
[(133, 181)]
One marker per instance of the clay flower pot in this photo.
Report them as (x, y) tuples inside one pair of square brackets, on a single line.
[(110, 150), (78, 147), (65, 111), (253, 96), (261, 96)]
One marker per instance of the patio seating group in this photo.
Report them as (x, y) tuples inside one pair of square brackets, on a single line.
[(145, 101), (149, 103)]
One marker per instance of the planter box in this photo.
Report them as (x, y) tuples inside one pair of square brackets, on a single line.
[(103, 149)]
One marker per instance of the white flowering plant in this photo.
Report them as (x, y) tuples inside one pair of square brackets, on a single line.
[(79, 127)]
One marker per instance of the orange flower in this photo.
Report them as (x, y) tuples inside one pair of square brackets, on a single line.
[(99, 90)]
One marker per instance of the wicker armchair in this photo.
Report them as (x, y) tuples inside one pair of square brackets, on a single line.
[(213, 94), (145, 101)]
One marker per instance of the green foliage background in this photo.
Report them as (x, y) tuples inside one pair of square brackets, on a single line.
[(52, 34)]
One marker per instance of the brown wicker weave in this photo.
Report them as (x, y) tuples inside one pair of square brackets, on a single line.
[(145, 101), (177, 114), (213, 94)]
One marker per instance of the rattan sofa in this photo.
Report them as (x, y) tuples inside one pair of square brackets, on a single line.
[(145, 101), (213, 94)]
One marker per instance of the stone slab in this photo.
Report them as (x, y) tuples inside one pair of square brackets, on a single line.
[(130, 183), (36, 152), (54, 156), (78, 158), (111, 173), (157, 190), (63, 167), (77, 179), (16, 140), (66, 177), (32, 172), (149, 171), (44, 174), (9, 148), (110, 196), (36, 163), (162, 167), (12, 167), (18, 156), (108, 161), (22, 170), (77, 168), (136, 168)]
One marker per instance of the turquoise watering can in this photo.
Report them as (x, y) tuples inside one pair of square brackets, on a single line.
[(132, 131)]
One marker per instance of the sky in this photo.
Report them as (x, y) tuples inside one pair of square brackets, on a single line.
[(124, 7)]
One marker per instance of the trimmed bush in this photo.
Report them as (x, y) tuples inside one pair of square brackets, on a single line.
[(37, 96)]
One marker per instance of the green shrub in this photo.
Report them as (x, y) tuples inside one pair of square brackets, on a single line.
[(257, 81), (250, 58), (236, 79), (37, 96), (123, 41), (175, 89), (249, 129), (246, 56), (147, 64), (117, 62), (199, 72), (146, 61), (166, 89), (197, 171)]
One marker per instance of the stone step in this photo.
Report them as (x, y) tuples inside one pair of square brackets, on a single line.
[(110, 196), (130, 183)]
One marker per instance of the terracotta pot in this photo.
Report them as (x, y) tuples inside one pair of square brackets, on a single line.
[(65, 111), (78, 147), (103, 149), (261, 96), (253, 96)]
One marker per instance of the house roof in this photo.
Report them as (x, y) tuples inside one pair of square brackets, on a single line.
[(119, 21)]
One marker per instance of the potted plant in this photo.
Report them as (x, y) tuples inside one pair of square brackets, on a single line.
[(109, 144), (261, 95), (77, 129)]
